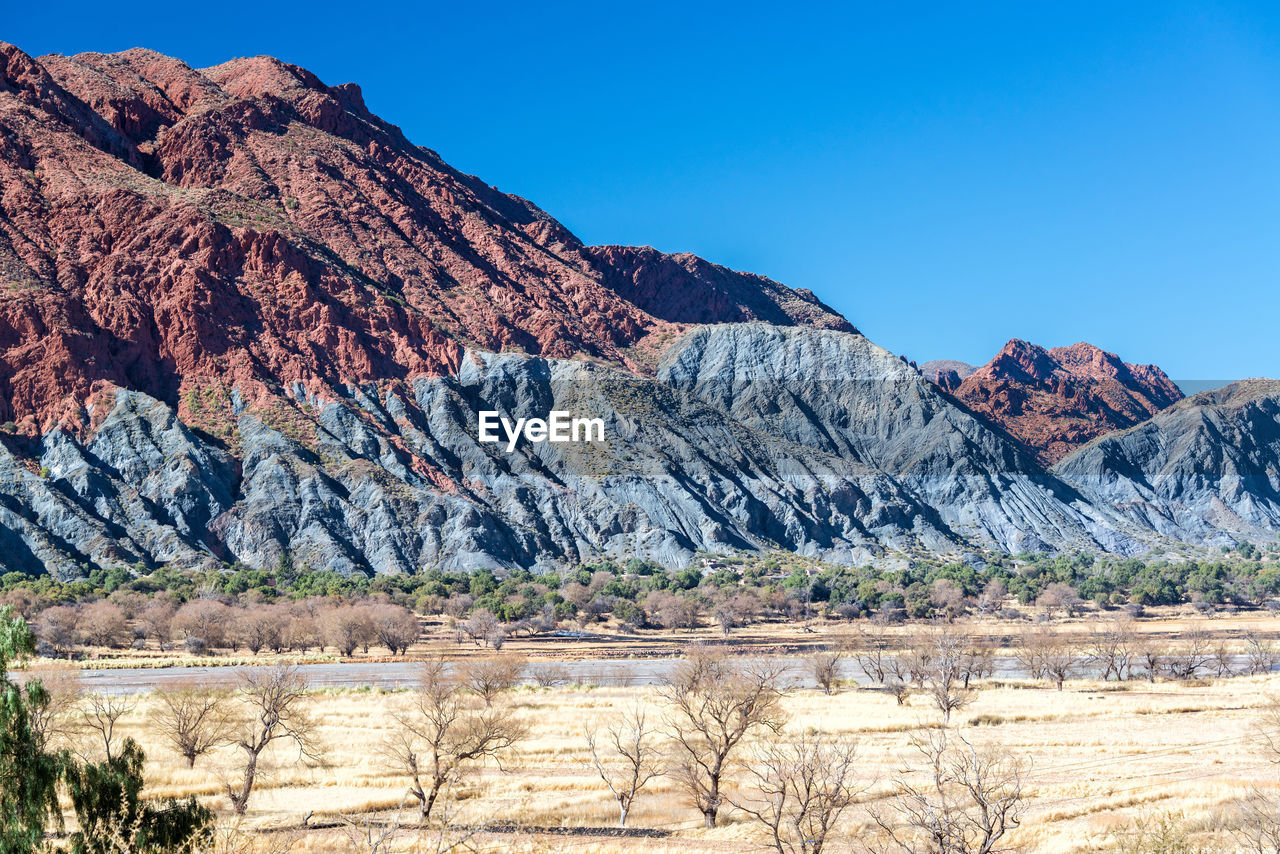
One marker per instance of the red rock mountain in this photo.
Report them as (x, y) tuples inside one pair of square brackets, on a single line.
[(187, 231), (1054, 401)]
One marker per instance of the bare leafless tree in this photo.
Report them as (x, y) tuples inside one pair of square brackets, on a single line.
[(1152, 652), (346, 628), (799, 790), (716, 701), (442, 731), (870, 648), (1256, 824), (1193, 652), (1223, 662), (56, 627), (1260, 653), (900, 690), (489, 677), (671, 610), (204, 620), (735, 610), (991, 600), (55, 722), (100, 714), (1049, 653), (275, 703), (257, 628), (947, 598), (1110, 648), (978, 659), (481, 626), (1027, 654), (300, 631), (824, 667), (103, 623), (972, 798), (394, 627), (1059, 595), (548, 674), (156, 621), (195, 720), (919, 645), (626, 757), (941, 669)]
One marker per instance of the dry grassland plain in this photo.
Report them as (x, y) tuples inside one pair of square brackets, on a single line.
[(1100, 755)]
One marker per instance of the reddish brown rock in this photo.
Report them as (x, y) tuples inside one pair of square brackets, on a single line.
[(684, 288), (168, 229), (1054, 401)]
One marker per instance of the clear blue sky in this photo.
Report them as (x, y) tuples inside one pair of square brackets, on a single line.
[(947, 175)]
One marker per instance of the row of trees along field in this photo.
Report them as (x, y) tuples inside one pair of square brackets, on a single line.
[(292, 609), (717, 727)]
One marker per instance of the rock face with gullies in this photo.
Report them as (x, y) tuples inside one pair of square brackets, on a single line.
[(185, 232), (241, 315), (1054, 401), (844, 395), (398, 480), (1206, 470), (142, 489)]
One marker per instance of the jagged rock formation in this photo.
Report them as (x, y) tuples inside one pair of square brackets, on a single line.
[(687, 289), (1054, 401), (1206, 470), (399, 481), (186, 232), (240, 314), (844, 395)]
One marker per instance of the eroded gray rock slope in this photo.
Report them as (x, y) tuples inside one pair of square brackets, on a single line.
[(846, 396), (1204, 471), (750, 437)]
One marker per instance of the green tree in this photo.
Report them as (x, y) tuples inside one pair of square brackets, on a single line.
[(28, 774), (113, 817)]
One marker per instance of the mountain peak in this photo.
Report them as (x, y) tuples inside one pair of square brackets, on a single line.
[(1055, 400), (173, 230)]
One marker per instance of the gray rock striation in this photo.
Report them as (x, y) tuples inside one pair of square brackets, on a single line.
[(750, 437), (1204, 471)]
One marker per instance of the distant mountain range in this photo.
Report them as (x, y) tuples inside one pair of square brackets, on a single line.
[(240, 315)]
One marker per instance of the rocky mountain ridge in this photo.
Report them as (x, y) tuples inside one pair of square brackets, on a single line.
[(1205, 470), (1055, 400), (241, 315), (185, 232)]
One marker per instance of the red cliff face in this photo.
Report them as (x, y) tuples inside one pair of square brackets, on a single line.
[(186, 232), (1054, 401)]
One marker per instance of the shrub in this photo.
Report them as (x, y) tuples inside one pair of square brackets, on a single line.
[(112, 816)]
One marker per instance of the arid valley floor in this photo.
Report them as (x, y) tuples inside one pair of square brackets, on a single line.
[(1100, 759)]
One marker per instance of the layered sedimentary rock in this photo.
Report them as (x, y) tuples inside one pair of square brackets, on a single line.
[(240, 315), (397, 481)]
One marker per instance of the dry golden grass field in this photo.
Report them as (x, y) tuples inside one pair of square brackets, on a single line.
[(1099, 756)]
